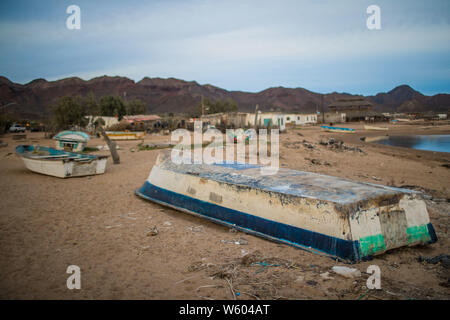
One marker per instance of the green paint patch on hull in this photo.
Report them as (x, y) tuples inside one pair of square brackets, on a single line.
[(372, 244), (418, 234)]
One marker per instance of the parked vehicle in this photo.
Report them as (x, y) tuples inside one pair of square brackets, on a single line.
[(17, 128)]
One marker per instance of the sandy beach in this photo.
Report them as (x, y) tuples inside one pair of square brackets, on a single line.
[(100, 225)]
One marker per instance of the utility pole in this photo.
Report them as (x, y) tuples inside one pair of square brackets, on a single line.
[(256, 116), (203, 107), (323, 114)]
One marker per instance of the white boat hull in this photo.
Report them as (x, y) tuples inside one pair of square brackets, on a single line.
[(326, 215), (65, 169)]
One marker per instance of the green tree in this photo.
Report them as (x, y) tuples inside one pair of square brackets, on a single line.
[(112, 106), (91, 105), (217, 106), (136, 107), (69, 112)]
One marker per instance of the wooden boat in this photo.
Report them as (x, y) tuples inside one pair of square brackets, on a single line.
[(125, 135), (339, 218), (59, 163), (375, 128), (71, 140), (338, 129)]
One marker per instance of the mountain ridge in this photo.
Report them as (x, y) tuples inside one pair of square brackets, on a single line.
[(35, 98)]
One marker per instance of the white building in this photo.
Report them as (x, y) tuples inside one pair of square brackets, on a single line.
[(301, 119), (266, 119)]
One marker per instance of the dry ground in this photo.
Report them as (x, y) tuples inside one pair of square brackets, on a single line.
[(97, 223)]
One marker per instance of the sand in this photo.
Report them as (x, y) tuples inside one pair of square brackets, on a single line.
[(98, 224)]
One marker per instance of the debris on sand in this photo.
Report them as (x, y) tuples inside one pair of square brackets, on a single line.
[(346, 271), (295, 145), (326, 276), (156, 145), (196, 228), (106, 148), (443, 259), (3, 144), (152, 232), (339, 145), (318, 162), (308, 145), (240, 241), (115, 226), (311, 283)]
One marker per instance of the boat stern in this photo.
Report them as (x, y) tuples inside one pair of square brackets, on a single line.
[(391, 222)]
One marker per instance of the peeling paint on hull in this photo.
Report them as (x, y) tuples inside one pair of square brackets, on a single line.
[(336, 217)]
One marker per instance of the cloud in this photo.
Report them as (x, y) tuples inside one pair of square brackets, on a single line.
[(202, 39)]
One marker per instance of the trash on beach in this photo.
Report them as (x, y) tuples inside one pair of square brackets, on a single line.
[(443, 259), (115, 226), (3, 144), (153, 231), (326, 276), (196, 228), (240, 241), (346, 271), (126, 216), (106, 148)]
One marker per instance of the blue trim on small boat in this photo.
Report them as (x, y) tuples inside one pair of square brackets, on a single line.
[(313, 241), (432, 233), (60, 136), (337, 128), (24, 150)]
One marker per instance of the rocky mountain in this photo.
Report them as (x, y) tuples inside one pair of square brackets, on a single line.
[(34, 99)]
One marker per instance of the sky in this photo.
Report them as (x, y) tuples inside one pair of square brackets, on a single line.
[(322, 45)]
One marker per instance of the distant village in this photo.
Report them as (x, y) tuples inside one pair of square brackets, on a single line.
[(341, 111)]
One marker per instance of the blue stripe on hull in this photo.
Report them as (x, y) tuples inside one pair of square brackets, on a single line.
[(345, 249)]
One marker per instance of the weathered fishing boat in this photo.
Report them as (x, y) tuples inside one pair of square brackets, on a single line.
[(71, 140), (338, 129), (340, 218), (125, 135), (375, 128), (59, 163)]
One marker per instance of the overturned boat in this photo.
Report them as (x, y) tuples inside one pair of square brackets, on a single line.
[(59, 163), (375, 128), (337, 129), (336, 217), (71, 140), (125, 135)]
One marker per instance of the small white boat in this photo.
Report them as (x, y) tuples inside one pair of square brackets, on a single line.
[(338, 129), (59, 163), (327, 215), (125, 135), (71, 140), (375, 128)]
